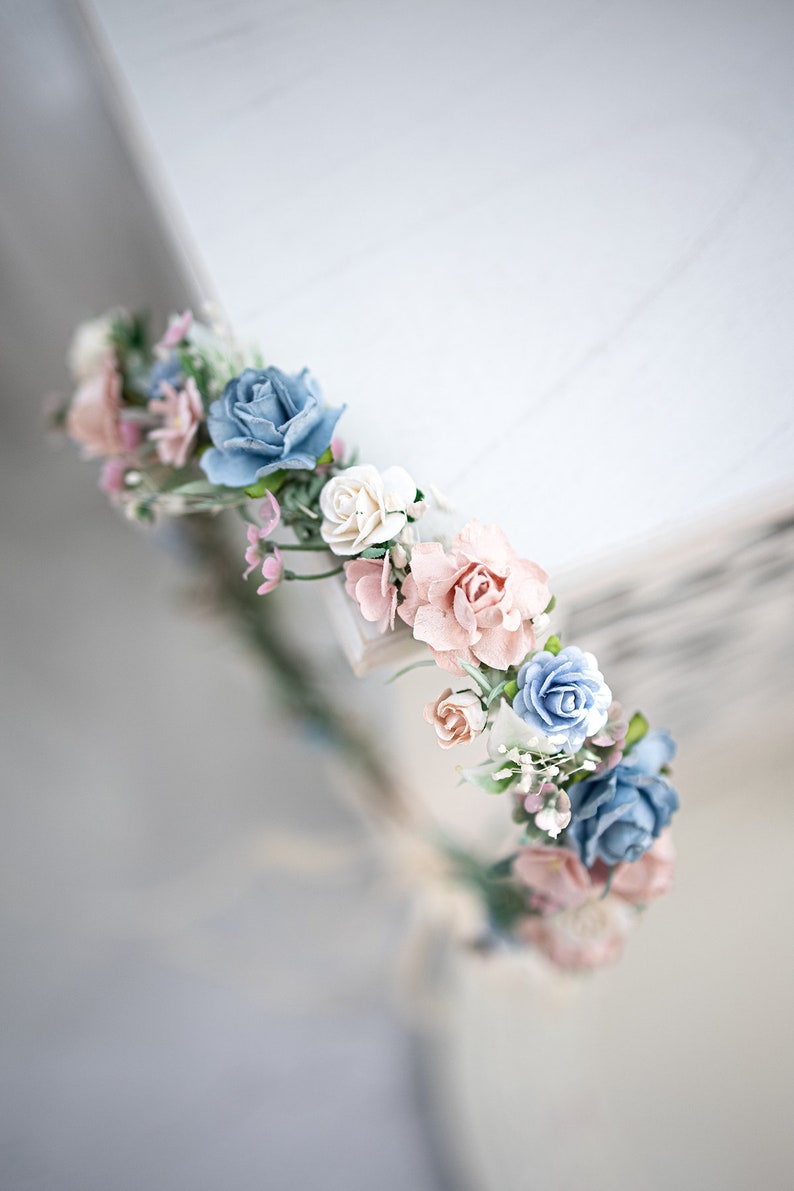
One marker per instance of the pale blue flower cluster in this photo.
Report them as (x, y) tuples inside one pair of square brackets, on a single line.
[(264, 421)]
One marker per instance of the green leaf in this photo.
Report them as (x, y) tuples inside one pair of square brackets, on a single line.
[(199, 488), (552, 604), (502, 868), (407, 669), (270, 483), (495, 693), (473, 672), (510, 690), (638, 727), (553, 645), (482, 777), (373, 552), (326, 457)]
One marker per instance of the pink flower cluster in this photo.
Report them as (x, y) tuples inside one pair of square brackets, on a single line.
[(270, 560), (577, 924), (181, 411), (475, 602)]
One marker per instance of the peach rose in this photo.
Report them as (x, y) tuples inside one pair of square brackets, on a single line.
[(649, 877), (457, 718), (475, 602), (93, 416)]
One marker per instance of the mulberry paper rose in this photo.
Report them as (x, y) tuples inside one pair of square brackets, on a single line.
[(584, 936), (651, 876), (556, 876), (93, 417), (265, 421), (618, 814), (363, 508), (182, 410), (457, 718), (367, 582), (564, 698), (475, 602)]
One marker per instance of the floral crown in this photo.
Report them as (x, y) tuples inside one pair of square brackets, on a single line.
[(192, 426)]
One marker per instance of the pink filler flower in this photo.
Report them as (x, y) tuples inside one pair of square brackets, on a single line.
[(367, 582), (183, 410)]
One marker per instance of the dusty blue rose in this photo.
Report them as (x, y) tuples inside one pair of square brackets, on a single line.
[(169, 370), (264, 421), (616, 816), (563, 698)]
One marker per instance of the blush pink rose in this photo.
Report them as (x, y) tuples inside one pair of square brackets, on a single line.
[(457, 718), (557, 878), (649, 877), (584, 936), (93, 416), (367, 582), (476, 602)]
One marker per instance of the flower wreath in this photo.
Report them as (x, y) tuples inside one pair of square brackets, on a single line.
[(191, 425)]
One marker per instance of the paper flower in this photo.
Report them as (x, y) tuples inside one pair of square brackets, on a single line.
[(618, 814), (649, 877), (556, 877), (362, 507), (584, 936), (177, 330), (367, 582), (457, 718), (93, 416), (563, 697), (265, 421), (476, 601), (182, 411)]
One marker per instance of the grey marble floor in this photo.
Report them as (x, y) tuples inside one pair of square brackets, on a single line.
[(181, 1005)]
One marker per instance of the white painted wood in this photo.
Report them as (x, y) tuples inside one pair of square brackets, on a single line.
[(545, 252)]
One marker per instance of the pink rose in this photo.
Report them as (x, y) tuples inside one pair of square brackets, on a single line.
[(457, 718), (93, 416), (182, 411), (649, 877), (476, 602), (584, 936), (557, 878), (367, 582)]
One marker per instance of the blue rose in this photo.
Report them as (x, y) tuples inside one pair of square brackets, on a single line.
[(563, 697), (616, 816), (169, 370), (263, 421)]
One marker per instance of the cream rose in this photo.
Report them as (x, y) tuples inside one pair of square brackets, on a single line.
[(91, 346), (362, 507), (457, 718)]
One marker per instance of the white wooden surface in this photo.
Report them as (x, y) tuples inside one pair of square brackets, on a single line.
[(544, 251)]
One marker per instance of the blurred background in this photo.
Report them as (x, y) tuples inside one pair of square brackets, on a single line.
[(585, 212)]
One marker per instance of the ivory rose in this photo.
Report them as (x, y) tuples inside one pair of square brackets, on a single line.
[(362, 507), (91, 346), (457, 718), (93, 416), (475, 602), (367, 582)]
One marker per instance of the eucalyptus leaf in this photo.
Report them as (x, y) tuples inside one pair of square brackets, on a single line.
[(373, 552), (473, 672)]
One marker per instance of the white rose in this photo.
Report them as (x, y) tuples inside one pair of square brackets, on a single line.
[(362, 507), (90, 346)]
